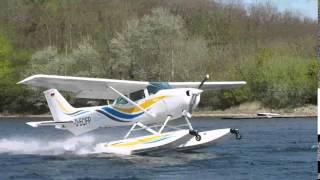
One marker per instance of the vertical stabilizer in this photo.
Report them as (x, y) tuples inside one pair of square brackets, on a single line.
[(75, 120), (60, 109)]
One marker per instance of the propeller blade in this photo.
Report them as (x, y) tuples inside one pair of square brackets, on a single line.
[(195, 94), (203, 81)]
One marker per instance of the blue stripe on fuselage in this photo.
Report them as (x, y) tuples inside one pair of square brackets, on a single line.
[(120, 114), (111, 117)]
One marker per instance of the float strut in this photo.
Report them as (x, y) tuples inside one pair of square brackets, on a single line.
[(165, 123), (129, 132)]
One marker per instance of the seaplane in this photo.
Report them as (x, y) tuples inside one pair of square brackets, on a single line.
[(140, 105)]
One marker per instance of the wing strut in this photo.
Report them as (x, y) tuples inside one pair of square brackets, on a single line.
[(130, 101)]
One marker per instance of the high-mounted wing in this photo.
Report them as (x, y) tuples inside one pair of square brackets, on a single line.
[(208, 85), (98, 88), (95, 88)]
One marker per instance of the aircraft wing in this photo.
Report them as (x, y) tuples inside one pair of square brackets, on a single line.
[(208, 85), (98, 88), (93, 88)]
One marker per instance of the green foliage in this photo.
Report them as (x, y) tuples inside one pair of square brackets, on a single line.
[(145, 48), (159, 41), (5, 48), (276, 81), (283, 81), (40, 62), (155, 47), (82, 61), (6, 70)]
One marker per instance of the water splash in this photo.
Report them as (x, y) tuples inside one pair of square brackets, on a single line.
[(75, 145)]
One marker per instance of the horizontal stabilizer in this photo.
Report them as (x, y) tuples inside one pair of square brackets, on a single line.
[(48, 123)]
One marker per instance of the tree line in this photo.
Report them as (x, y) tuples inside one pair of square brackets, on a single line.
[(166, 40)]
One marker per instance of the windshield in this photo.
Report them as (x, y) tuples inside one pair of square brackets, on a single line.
[(120, 100), (154, 87), (135, 96)]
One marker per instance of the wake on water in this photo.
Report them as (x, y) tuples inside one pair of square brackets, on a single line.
[(21, 145)]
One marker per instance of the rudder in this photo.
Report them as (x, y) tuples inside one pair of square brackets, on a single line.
[(59, 107)]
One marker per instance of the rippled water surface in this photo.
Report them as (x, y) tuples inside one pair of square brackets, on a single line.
[(269, 149)]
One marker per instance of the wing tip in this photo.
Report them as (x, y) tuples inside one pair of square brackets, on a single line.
[(25, 81)]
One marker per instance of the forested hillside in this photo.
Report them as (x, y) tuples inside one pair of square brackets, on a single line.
[(159, 40)]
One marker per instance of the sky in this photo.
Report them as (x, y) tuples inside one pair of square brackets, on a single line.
[(306, 8)]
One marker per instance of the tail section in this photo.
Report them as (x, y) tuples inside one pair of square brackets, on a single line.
[(60, 109), (75, 120)]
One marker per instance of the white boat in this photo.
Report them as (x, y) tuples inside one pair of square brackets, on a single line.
[(268, 115)]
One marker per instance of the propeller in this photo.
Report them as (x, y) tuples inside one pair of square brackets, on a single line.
[(203, 81), (196, 93)]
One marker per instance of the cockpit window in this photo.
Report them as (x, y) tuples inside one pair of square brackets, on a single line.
[(154, 87), (135, 96)]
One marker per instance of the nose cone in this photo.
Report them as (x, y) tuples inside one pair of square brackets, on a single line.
[(189, 93), (196, 91)]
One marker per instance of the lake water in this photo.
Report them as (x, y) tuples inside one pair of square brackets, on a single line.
[(269, 149)]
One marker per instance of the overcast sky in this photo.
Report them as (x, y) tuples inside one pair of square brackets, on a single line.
[(304, 7)]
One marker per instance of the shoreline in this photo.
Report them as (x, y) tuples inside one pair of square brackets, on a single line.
[(195, 114), (250, 110), (243, 111), (252, 116)]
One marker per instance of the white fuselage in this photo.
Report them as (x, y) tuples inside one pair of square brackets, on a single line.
[(166, 102)]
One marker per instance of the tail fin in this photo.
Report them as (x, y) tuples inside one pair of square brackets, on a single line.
[(59, 107), (65, 116)]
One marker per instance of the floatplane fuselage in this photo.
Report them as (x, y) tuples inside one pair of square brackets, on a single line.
[(157, 108)]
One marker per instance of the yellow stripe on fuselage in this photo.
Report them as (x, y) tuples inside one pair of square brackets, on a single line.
[(146, 104)]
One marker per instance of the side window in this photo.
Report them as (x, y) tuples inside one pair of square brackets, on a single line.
[(135, 96), (152, 89)]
